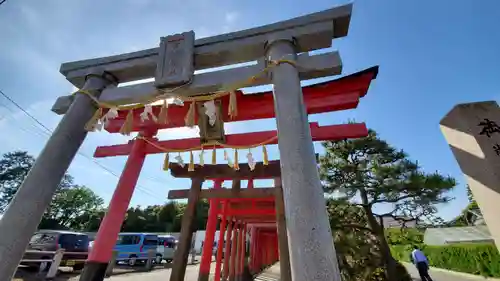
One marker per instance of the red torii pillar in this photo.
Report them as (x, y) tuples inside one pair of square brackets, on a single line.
[(233, 246), (239, 259), (220, 244), (206, 254), (227, 248), (97, 262)]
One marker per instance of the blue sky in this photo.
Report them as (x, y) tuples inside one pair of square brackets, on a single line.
[(432, 55)]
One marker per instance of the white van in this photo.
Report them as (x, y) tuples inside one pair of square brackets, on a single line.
[(166, 247)]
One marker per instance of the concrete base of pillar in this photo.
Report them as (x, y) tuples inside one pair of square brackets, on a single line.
[(94, 271)]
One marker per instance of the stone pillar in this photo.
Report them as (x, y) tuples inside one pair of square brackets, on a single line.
[(473, 132), (99, 257), (25, 212), (305, 211)]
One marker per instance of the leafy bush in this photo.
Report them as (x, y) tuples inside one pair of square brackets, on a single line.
[(479, 259), (404, 236)]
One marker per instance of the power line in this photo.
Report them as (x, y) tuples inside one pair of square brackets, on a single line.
[(2, 1), (24, 111), (48, 131)]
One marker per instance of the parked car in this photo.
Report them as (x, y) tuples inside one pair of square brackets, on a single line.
[(91, 244), (52, 240), (166, 248), (134, 247)]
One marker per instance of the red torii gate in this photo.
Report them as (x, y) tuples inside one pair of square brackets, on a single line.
[(257, 209), (339, 94)]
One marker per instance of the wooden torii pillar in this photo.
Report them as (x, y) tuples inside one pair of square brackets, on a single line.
[(241, 207)]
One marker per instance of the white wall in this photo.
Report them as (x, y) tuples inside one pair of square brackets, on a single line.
[(200, 236)]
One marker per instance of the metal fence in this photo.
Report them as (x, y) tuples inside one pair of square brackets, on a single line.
[(55, 259)]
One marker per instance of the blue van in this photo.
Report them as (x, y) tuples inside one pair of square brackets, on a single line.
[(133, 247)]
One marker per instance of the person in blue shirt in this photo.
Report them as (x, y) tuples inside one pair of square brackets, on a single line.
[(420, 261)]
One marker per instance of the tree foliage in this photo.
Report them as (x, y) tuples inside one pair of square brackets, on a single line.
[(369, 173), (405, 236), (71, 205), (357, 248), (77, 207), (14, 166)]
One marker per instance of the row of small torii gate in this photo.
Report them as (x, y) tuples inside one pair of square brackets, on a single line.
[(286, 222)]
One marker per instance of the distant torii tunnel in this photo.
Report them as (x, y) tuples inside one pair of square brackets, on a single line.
[(244, 212)]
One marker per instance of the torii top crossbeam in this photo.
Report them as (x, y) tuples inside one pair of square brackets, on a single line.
[(312, 32)]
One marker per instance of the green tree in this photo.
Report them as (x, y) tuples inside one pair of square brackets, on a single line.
[(404, 236), (357, 255), (169, 217), (71, 206), (358, 251), (164, 218), (14, 166), (369, 172)]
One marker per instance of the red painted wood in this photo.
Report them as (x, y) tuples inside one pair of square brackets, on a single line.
[(253, 240), (251, 212), (259, 250), (111, 225), (206, 254), (220, 244), (263, 199), (339, 94), (227, 251), (318, 133), (243, 247)]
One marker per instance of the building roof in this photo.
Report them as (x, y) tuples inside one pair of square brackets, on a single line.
[(449, 235)]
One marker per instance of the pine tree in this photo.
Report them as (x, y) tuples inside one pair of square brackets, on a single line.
[(371, 173)]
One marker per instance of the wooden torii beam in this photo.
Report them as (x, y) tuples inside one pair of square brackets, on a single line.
[(224, 193), (340, 94), (261, 171), (318, 133)]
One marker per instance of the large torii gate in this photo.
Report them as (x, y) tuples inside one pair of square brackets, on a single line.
[(275, 47), (337, 94)]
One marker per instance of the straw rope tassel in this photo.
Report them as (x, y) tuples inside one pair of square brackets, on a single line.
[(202, 160), (163, 116), (233, 105), (191, 162), (127, 125), (264, 152), (91, 124), (214, 156), (166, 162), (189, 119), (236, 165)]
